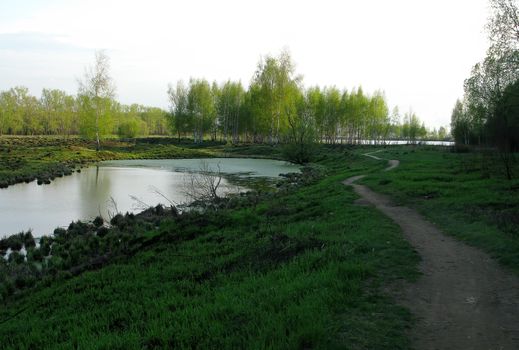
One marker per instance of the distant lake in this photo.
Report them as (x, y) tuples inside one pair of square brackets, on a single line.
[(83, 196)]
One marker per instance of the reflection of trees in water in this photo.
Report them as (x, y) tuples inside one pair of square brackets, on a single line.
[(153, 183), (95, 189)]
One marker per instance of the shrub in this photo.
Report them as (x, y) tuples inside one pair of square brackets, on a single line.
[(34, 254), (117, 220), (60, 232), (131, 128), (102, 231), (45, 244), (4, 244), (78, 228), (16, 242), (16, 258), (28, 240), (298, 153), (98, 221)]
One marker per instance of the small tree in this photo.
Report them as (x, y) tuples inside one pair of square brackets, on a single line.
[(180, 118), (203, 186), (131, 128), (301, 134), (503, 127), (200, 107), (95, 95)]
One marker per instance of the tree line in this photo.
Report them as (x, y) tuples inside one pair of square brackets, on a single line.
[(274, 108), (488, 114), (276, 105), (92, 111), (58, 113)]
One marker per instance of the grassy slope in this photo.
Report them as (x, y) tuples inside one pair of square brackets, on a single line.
[(298, 270), (466, 194)]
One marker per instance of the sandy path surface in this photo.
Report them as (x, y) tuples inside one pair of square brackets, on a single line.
[(464, 299)]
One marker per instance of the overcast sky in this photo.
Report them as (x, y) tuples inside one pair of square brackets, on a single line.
[(417, 51)]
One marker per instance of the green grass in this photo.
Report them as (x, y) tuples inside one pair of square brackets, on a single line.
[(465, 194), (303, 268)]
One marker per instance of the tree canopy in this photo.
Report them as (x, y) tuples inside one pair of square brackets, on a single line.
[(488, 115)]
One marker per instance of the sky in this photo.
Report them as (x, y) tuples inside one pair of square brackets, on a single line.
[(418, 52)]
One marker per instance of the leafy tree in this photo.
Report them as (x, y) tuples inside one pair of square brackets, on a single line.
[(442, 133), (178, 98), (500, 68), (315, 104), (200, 107), (460, 124), (131, 128), (95, 95), (395, 125), (503, 27), (229, 101), (57, 112), (28, 111), (301, 134), (378, 117), (412, 128), (10, 112), (156, 120), (332, 113), (503, 126), (271, 83)]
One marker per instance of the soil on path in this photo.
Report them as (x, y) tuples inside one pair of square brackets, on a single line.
[(464, 299)]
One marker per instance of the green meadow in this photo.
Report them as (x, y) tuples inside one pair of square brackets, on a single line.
[(303, 267)]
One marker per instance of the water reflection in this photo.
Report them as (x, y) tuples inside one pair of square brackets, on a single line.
[(87, 194)]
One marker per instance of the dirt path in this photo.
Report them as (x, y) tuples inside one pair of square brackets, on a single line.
[(464, 300)]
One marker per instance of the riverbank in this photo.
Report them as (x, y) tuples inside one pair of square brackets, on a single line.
[(43, 158), (302, 267)]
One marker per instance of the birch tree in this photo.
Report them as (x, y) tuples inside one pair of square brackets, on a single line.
[(96, 91)]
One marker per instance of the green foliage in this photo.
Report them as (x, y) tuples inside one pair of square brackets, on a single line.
[(411, 128), (181, 122), (207, 111), (274, 82), (90, 112), (229, 101), (267, 111), (503, 125), (487, 116), (57, 113), (131, 128), (200, 108), (301, 135)]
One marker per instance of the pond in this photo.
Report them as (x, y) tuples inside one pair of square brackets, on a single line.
[(122, 186)]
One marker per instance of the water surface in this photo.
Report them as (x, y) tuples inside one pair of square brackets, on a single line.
[(131, 184)]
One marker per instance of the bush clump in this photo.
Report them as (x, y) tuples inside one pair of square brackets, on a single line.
[(98, 221)]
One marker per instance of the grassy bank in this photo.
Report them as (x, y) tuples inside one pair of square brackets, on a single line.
[(465, 194), (25, 159), (301, 268)]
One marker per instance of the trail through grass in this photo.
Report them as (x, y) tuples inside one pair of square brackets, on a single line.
[(465, 194)]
